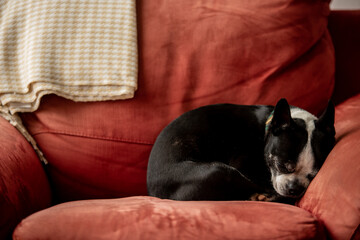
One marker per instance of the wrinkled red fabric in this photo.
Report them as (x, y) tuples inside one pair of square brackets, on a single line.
[(191, 53), (334, 194), (152, 218), (24, 188)]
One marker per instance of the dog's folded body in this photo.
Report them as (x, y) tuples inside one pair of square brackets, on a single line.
[(235, 152)]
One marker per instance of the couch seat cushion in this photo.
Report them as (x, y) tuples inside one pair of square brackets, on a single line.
[(153, 218)]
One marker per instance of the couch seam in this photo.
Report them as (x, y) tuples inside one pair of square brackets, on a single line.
[(133, 141)]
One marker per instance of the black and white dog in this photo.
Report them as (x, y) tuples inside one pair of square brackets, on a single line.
[(235, 152)]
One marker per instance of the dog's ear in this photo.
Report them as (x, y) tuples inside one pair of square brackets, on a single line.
[(326, 119), (282, 117)]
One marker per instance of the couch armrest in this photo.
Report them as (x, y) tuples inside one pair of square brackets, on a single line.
[(334, 195), (344, 29), (24, 187)]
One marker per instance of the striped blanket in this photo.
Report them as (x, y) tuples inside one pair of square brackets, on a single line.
[(83, 50)]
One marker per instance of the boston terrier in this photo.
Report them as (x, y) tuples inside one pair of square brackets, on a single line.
[(236, 152)]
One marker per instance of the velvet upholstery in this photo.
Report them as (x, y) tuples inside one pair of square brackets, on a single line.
[(24, 187), (342, 25), (100, 150), (337, 185), (153, 218)]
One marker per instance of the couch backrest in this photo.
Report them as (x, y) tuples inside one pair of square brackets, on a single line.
[(191, 53)]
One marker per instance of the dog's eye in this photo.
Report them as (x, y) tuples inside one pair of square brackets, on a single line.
[(290, 167), (286, 168)]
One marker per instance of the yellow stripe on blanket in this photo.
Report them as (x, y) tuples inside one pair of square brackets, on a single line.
[(83, 50)]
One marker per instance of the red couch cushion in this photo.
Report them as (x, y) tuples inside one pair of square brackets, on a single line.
[(334, 194), (152, 218), (191, 53)]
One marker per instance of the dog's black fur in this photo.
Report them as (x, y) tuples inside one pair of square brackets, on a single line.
[(229, 152)]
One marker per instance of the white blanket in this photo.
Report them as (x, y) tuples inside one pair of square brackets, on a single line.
[(83, 50)]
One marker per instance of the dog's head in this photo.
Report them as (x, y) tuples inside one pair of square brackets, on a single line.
[(296, 145)]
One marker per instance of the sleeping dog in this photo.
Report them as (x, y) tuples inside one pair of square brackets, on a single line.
[(235, 152)]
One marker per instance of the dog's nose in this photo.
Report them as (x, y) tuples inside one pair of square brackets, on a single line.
[(295, 189)]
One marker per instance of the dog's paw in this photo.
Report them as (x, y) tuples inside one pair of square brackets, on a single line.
[(261, 197)]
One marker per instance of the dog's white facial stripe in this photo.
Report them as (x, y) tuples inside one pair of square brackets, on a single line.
[(302, 114), (306, 160)]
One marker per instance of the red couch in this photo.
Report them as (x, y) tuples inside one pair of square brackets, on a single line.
[(192, 53)]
